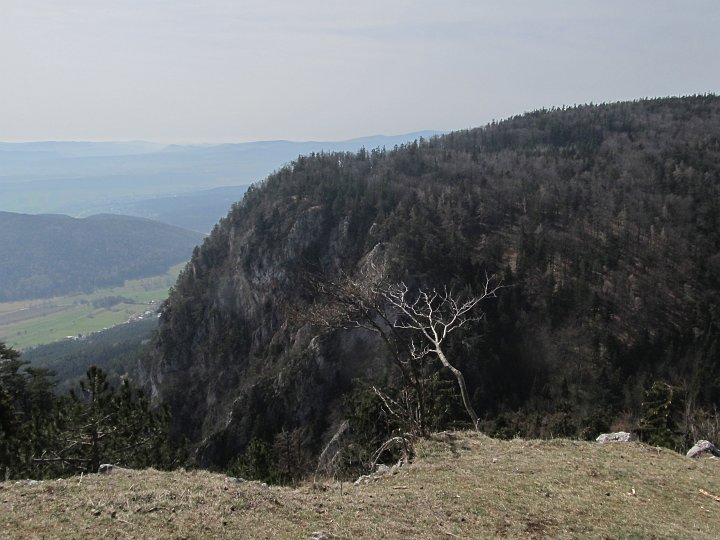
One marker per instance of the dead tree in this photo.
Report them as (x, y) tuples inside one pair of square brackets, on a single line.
[(429, 315), (432, 316), (357, 302)]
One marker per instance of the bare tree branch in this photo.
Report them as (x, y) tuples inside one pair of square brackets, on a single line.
[(430, 315), (434, 315)]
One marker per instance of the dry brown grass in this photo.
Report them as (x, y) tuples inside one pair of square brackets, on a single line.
[(463, 485)]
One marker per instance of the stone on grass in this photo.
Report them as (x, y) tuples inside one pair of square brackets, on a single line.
[(620, 436), (28, 483), (381, 471), (107, 468), (703, 447), (234, 479)]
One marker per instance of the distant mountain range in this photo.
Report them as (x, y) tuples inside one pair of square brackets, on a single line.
[(48, 255), (139, 178), (196, 211)]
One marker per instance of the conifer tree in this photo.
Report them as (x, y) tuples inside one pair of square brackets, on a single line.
[(26, 413), (99, 425)]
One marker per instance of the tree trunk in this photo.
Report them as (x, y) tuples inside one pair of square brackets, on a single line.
[(463, 387), (410, 374)]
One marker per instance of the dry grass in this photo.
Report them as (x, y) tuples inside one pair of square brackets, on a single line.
[(463, 485)]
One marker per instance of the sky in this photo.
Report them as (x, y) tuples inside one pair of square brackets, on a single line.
[(196, 71)]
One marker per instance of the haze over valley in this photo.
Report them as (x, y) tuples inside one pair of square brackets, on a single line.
[(191, 186)]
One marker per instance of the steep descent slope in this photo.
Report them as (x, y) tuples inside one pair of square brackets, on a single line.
[(605, 221)]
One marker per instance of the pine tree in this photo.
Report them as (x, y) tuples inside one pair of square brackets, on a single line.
[(27, 404), (99, 425)]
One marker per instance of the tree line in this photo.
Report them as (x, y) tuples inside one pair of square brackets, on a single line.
[(44, 435)]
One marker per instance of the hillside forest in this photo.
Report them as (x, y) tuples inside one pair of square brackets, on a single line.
[(602, 222), (52, 255)]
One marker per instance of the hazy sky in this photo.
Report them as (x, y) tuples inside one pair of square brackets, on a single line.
[(223, 70)]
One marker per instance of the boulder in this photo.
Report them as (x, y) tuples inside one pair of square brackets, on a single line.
[(620, 436), (703, 447)]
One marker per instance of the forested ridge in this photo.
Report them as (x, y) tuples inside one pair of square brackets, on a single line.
[(51, 255), (603, 222)]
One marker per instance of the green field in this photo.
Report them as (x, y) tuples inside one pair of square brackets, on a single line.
[(35, 322)]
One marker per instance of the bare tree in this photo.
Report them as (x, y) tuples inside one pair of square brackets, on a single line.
[(432, 316), (357, 302), (429, 315)]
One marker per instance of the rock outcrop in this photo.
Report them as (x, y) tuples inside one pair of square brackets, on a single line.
[(702, 448)]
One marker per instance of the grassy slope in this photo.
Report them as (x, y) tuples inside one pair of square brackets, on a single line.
[(462, 486), (34, 322)]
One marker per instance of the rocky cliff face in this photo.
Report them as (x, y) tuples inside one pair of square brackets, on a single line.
[(229, 359), (604, 220)]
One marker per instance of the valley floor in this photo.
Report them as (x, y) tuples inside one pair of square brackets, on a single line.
[(462, 485), (29, 323)]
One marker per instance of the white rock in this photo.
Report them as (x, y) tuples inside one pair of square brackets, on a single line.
[(234, 479), (703, 447), (620, 436)]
